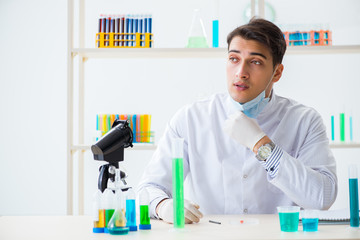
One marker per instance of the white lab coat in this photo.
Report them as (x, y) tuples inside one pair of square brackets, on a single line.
[(224, 177)]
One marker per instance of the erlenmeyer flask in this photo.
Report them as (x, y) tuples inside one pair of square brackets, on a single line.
[(197, 35), (117, 223)]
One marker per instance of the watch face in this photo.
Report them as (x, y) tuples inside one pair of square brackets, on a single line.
[(264, 152)]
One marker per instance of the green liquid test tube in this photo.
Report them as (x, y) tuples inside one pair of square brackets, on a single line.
[(144, 210), (342, 127), (178, 182)]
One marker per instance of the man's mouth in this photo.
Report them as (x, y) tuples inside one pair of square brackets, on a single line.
[(241, 86)]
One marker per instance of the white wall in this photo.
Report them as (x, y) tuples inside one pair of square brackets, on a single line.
[(33, 86)]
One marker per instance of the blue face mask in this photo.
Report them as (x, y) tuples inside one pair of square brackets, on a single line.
[(254, 107)]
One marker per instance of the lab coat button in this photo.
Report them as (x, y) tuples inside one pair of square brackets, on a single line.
[(245, 176), (245, 210)]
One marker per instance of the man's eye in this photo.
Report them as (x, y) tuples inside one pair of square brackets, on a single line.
[(232, 59), (256, 62)]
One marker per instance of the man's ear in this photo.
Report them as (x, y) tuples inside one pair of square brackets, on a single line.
[(278, 73)]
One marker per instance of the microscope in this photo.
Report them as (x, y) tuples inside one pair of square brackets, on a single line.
[(110, 148)]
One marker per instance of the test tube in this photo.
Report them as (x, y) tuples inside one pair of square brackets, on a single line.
[(342, 127), (130, 210), (351, 128), (215, 36), (108, 206), (144, 210), (354, 196), (178, 182), (332, 128), (99, 213)]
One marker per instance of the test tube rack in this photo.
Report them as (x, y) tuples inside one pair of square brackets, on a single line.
[(123, 40), (311, 38), (139, 123)]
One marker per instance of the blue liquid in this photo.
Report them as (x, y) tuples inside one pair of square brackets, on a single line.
[(310, 224), (119, 230), (131, 214), (354, 202), (332, 128), (215, 25), (289, 222)]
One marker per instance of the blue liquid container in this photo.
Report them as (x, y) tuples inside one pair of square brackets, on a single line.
[(131, 210), (332, 128), (354, 196), (310, 224), (289, 221), (215, 36)]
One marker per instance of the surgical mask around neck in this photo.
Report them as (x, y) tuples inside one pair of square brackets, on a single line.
[(254, 107)]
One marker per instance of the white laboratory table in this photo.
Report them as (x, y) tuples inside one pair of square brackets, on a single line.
[(80, 228)]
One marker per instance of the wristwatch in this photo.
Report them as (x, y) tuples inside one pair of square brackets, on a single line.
[(264, 151)]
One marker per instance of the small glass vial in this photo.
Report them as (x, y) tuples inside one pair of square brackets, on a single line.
[(131, 210), (144, 210)]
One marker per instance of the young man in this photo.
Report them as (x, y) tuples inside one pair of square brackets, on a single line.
[(249, 150)]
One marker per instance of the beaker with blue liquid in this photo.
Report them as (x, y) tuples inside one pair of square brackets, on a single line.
[(353, 196)]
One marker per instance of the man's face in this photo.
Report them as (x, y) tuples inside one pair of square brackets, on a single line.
[(250, 70)]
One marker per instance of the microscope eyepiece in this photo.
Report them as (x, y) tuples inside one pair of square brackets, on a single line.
[(110, 147)]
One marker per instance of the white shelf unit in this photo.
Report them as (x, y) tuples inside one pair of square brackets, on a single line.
[(84, 54), (199, 52)]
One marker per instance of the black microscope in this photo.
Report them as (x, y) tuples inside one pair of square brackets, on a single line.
[(110, 148)]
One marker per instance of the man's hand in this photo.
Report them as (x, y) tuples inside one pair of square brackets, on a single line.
[(244, 130), (166, 212)]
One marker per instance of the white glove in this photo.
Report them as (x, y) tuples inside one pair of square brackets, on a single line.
[(166, 211), (243, 129)]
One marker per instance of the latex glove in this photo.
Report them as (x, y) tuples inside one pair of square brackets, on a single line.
[(166, 211), (243, 129)]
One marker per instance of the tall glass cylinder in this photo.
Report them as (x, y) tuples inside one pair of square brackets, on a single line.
[(178, 182), (342, 127), (354, 196)]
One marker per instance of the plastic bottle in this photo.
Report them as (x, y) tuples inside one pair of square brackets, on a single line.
[(144, 210), (131, 210), (108, 200), (99, 213)]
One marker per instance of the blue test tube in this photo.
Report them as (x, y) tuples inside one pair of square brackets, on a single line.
[(215, 36), (127, 30), (131, 30), (148, 27), (354, 196), (140, 28), (332, 128), (131, 210)]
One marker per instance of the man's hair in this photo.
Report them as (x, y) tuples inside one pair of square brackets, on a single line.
[(265, 32)]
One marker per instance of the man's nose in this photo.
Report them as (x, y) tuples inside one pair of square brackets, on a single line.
[(241, 72)]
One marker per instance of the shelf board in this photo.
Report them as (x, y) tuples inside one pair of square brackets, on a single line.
[(199, 52), (345, 145), (340, 49), (137, 146), (150, 52)]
